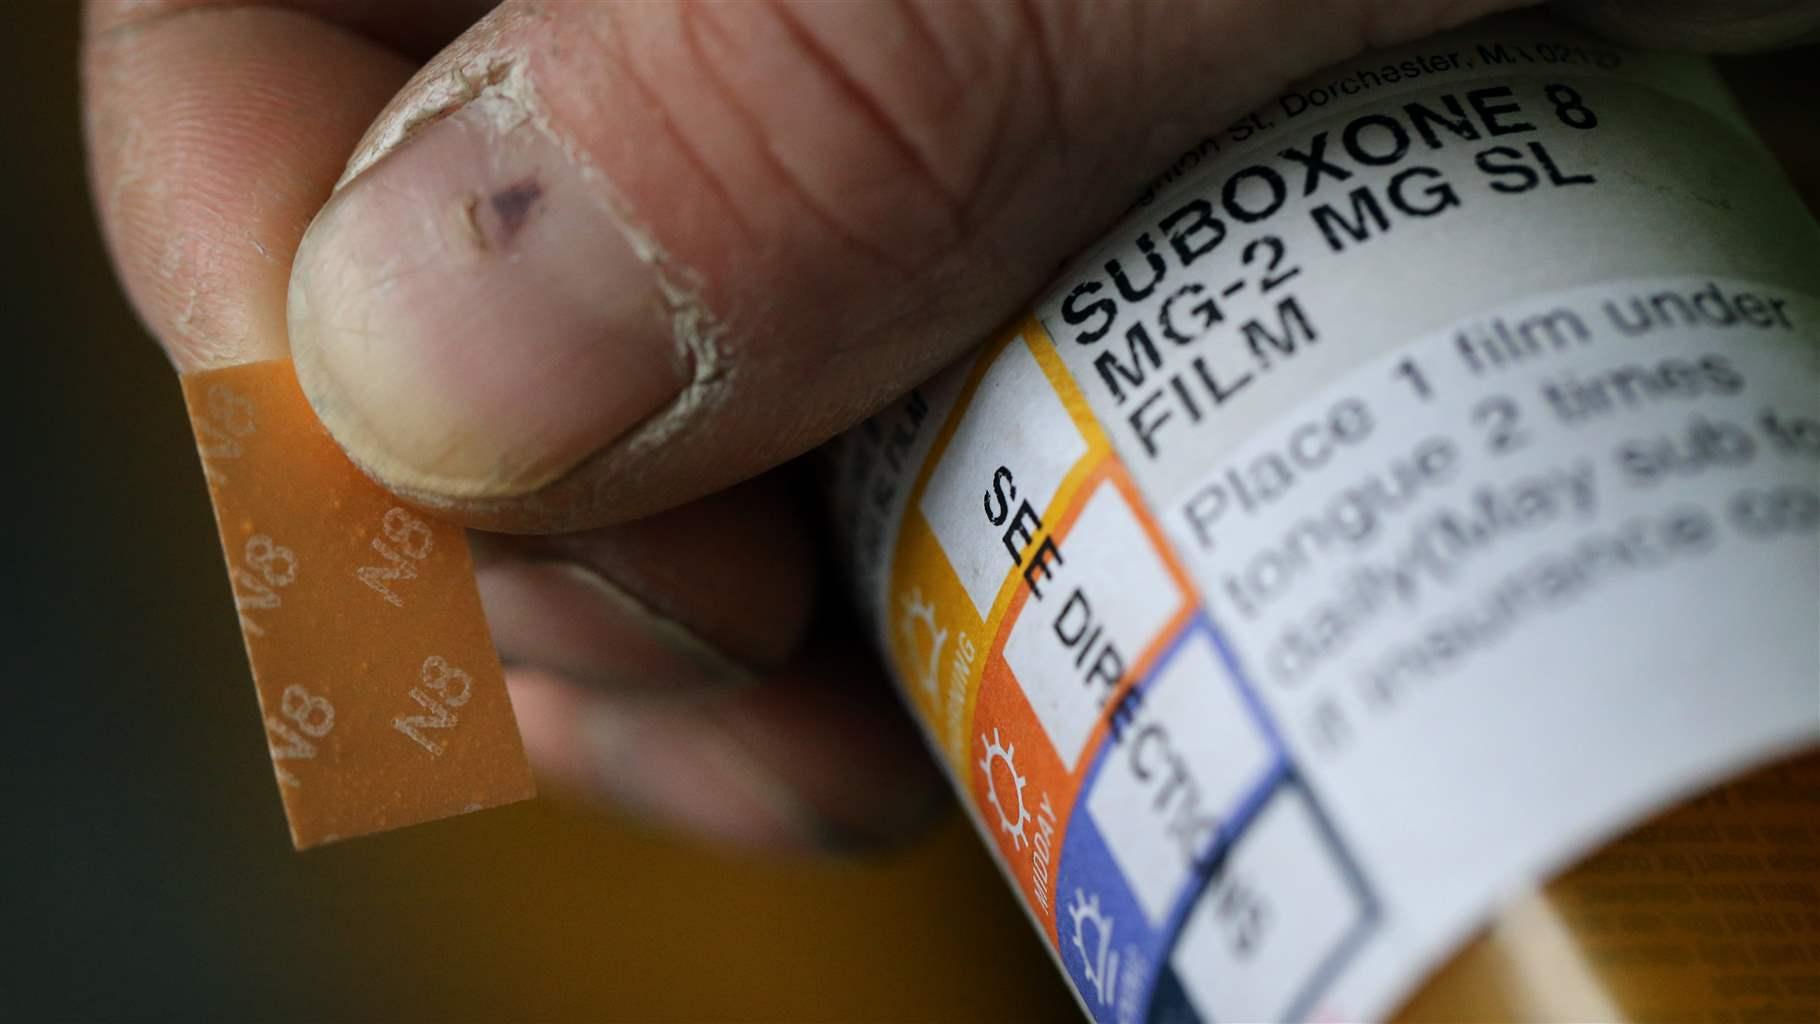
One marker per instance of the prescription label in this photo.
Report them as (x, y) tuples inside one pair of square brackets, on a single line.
[(1420, 490), (381, 697)]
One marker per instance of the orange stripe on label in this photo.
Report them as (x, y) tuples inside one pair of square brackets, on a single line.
[(382, 698)]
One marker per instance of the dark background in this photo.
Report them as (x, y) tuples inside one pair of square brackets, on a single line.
[(150, 871)]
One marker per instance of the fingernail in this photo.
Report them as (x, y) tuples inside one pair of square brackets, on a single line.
[(664, 762), (685, 773), (469, 319), (571, 619)]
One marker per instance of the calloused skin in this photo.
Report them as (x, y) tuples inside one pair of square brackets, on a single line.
[(591, 277)]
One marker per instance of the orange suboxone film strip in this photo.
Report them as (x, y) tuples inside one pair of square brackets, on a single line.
[(382, 698)]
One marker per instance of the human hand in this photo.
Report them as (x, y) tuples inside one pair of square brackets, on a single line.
[(595, 274)]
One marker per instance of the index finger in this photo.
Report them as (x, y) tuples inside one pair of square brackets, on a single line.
[(215, 131)]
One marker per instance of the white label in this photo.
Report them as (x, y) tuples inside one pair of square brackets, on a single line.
[(1107, 598), (1015, 421), (1580, 571), (1272, 915), (1191, 755), (1476, 387)]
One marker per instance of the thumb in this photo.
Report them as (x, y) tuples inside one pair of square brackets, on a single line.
[(599, 258)]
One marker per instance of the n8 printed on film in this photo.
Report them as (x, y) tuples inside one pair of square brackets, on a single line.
[(382, 697)]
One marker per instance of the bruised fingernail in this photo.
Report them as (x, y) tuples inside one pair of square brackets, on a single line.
[(468, 316), (571, 619)]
